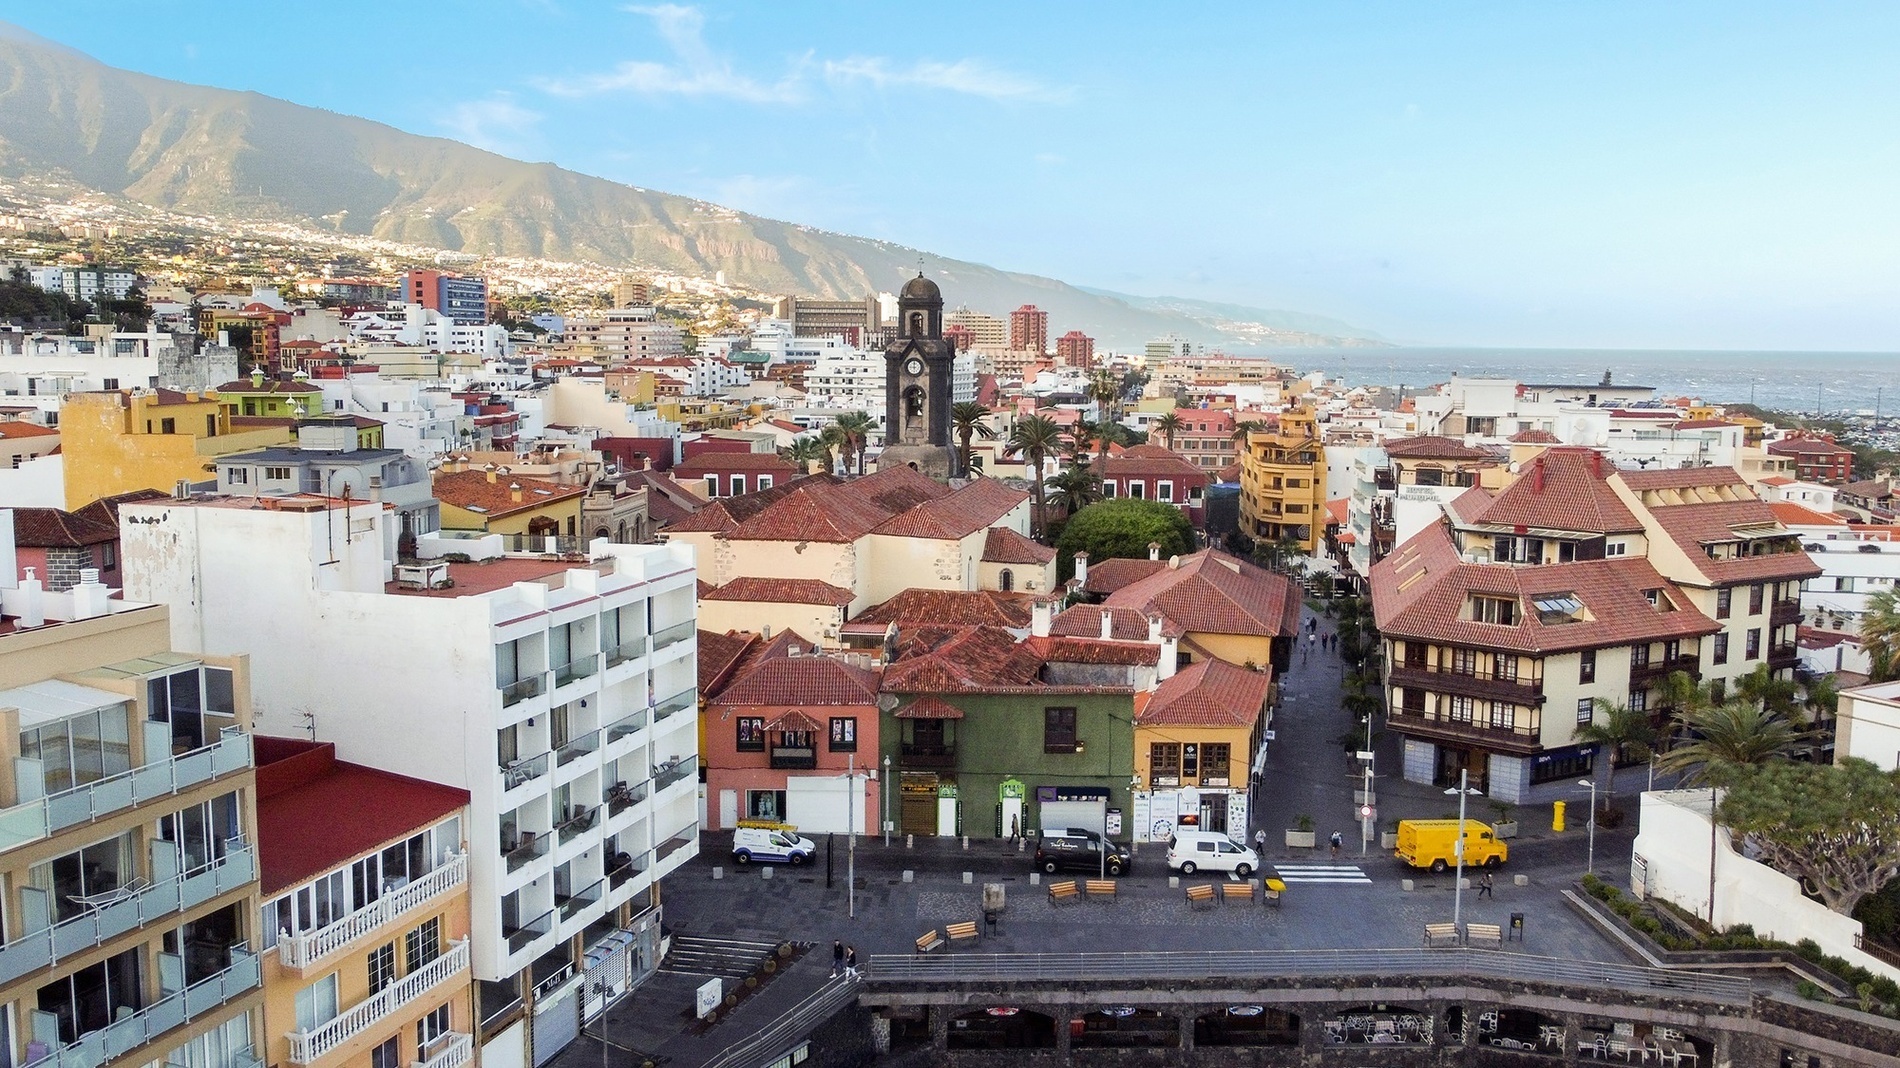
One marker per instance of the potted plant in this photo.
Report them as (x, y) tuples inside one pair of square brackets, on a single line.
[(1303, 837), (1506, 826), (1389, 838)]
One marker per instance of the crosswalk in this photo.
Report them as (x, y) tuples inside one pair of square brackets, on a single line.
[(1323, 873)]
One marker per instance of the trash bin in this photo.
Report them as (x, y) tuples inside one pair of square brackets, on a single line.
[(1517, 926), (1557, 815)]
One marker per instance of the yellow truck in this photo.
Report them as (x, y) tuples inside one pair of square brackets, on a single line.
[(1429, 844)]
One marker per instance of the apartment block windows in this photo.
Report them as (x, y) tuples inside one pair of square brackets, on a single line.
[(387, 1055), (1504, 666), (1164, 491), (751, 734), (844, 734), (1639, 701), (1460, 709), (430, 1028), (1724, 602), (1058, 730), (1499, 610), (316, 1003), (73, 879), (203, 832), (76, 750), (423, 943), (1587, 666), (1464, 661), (277, 474), (1754, 599), (1752, 645), (93, 997), (1586, 710), (1719, 653), (1639, 655), (382, 967)]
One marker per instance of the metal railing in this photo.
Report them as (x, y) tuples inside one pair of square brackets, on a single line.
[(307, 1046), (303, 950), (457, 1050), (524, 936), (121, 1037), (578, 668), (630, 723), (1294, 963), (674, 634), (773, 1041), (665, 777), (586, 897), (631, 649), (533, 845), (679, 702), (516, 692), (41, 817), (577, 747), (43, 948)]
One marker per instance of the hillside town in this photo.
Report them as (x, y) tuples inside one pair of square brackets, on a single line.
[(480, 651)]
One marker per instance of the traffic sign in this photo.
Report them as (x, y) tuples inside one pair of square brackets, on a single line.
[(1365, 812)]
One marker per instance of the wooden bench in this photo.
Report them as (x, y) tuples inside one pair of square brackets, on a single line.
[(1237, 892), (961, 932), (929, 940), (1486, 934), (1198, 894), (1441, 934), (1063, 891), (1100, 887), (1270, 891)]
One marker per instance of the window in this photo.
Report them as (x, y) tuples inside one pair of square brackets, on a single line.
[(1058, 730), (1754, 599), (751, 734), (738, 485), (1550, 767), (1464, 661), (1108, 488), (382, 967), (423, 944), (431, 1027), (70, 879), (240, 476), (1639, 700), (1164, 491), (1586, 710), (78, 749), (765, 482), (1503, 716), (1504, 666), (1724, 600), (1720, 656), (387, 1055), (1555, 608), (1843, 584), (1497, 610), (1587, 666), (1216, 763), (1459, 709), (316, 1003), (1753, 644), (844, 734), (1164, 764), (168, 426), (1616, 548), (1137, 490), (1639, 655), (277, 474)]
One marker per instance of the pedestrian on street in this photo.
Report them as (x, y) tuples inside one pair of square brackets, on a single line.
[(1312, 624), (851, 962), (1484, 886), (1336, 841), (1260, 841), (837, 957)]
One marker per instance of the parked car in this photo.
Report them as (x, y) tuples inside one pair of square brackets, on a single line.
[(771, 845), (1071, 852), (1194, 851)]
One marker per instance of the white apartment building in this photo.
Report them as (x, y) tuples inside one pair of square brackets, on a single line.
[(849, 379), (415, 325), (561, 695), (422, 423), (624, 333)]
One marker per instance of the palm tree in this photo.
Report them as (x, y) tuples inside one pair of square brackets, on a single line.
[(1246, 427), (1037, 438), (1729, 735), (1081, 438), (1075, 488), (1821, 698), (834, 440), (1626, 731), (1106, 391), (1167, 426), (1761, 687), (856, 428), (804, 450), (1880, 634), (970, 420), (1109, 434)]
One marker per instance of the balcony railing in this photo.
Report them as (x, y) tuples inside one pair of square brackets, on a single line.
[(453, 1051), (1514, 691), (676, 841), (1785, 653), (1662, 667), (679, 702), (302, 950), (577, 747), (1782, 613), (578, 668), (793, 756), (631, 649), (573, 905), (532, 845), (627, 869), (667, 776), (522, 772), (915, 755), (516, 692), (520, 938), (673, 635), (578, 822), (621, 796), (1518, 739), (628, 724), (36, 819), (135, 907), (125, 1035), (307, 1046)]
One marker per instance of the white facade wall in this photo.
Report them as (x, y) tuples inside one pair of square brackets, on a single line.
[(1854, 567), (1869, 725), (584, 402)]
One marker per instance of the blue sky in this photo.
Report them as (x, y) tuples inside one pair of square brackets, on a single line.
[(1622, 175)]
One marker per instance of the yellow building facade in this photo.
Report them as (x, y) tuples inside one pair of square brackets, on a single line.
[(116, 442), (494, 501), (1283, 482)]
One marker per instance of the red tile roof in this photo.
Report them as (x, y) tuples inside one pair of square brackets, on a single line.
[(799, 680), (275, 385), (1792, 514), (1564, 488), (1063, 649), (1149, 461), (1212, 592), (1433, 447), (980, 504), (472, 490), (1534, 437), (812, 511), (1005, 546), (723, 514), (1807, 447), (928, 707), (55, 528), (1694, 526), (964, 608), (719, 654), (1085, 621), (896, 489), (977, 660), (1336, 511), (780, 591), (13, 428), (315, 812), (1114, 573), (1680, 478), (1701, 424), (1207, 693)]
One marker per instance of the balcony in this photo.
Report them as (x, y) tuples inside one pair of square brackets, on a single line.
[(677, 841), (520, 938), (1784, 613), (629, 724), (531, 847), (1518, 741), (577, 747), (631, 649), (33, 820), (793, 757), (516, 692), (136, 905), (521, 772), (1783, 656), (631, 866), (576, 669), (569, 907), (307, 1046), (303, 950), (925, 755), (673, 635), (208, 995), (677, 703), (620, 796), (1479, 685), (452, 1051), (666, 775), (1663, 667), (582, 820)]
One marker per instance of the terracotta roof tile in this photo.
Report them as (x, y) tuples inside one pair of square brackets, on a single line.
[(780, 591), (1208, 693), (106, 509), (718, 655), (977, 660), (56, 528), (800, 680), (1150, 461), (897, 489), (1792, 514), (1534, 437), (1680, 478), (473, 491), (1063, 649), (709, 462), (1694, 526), (1005, 546), (1085, 621), (14, 429), (966, 608), (1433, 447), (812, 511), (1564, 488), (1806, 447), (1112, 574), (981, 503), (929, 707), (1212, 592)]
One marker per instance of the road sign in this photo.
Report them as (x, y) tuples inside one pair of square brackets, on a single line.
[(1365, 812), (1365, 754), (1266, 736)]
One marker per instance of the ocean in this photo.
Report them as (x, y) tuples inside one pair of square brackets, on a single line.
[(1836, 382)]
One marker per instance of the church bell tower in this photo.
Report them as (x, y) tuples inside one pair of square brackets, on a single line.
[(917, 374)]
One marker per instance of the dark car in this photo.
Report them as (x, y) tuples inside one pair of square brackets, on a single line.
[(1069, 852)]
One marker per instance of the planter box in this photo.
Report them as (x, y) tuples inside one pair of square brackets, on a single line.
[(1504, 830), (1301, 839), (1389, 840)]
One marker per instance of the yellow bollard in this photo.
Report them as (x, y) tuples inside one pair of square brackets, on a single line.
[(1557, 815)]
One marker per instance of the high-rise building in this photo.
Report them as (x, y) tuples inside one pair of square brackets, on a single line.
[(1283, 482), (623, 334), (1076, 349), (632, 293), (1029, 329), (461, 298), (985, 331), (859, 322)]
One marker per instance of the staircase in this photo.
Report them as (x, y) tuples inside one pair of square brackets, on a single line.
[(729, 958)]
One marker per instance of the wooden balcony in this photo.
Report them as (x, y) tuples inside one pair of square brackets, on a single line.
[(1514, 691), (1663, 667), (927, 756), (794, 758), (1515, 741)]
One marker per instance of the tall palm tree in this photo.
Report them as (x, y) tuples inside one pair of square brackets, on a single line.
[(1822, 698), (804, 450), (1773, 694), (1625, 731), (1075, 488), (1728, 735), (1037, 438), (1880, 634), (856, 428), (834, 441), (1082, 434), (970, 420), (1167, 426), (1108, 434), (1105, 389)]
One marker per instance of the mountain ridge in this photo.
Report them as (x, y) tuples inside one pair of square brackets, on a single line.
[(229, 153)]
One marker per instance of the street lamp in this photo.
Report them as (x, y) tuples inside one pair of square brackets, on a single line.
[(1591, 865), (884, 809), (1463, 790)]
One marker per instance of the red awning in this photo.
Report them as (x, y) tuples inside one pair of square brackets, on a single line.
[(929, 708)]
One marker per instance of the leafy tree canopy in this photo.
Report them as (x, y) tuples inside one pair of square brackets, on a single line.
[(1836, 828), (1123, 527)]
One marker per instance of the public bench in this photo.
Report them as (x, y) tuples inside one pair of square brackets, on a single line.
[(1064, 891), (1198, 894), (1441, 934), (929, 940), (1242, 891), (1100, 887), (1484, 934), (961, 932)]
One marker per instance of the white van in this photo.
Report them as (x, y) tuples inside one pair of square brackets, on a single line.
[(770, 844), (1194, 851)]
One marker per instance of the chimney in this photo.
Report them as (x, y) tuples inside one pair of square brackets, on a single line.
[(1082, 568), (1154, 630), (490, 468), (1040, 615), (1108, 622), (514, 492), (257, 378), (90, 596), (1154, 550), (1164, 668), (32, 606)]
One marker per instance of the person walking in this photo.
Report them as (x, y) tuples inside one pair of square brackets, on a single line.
[(1336, 841), (851, 962), (1260, 841), (837, 957), (1484, 887)]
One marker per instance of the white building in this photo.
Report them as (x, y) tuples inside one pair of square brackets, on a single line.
[(415, 325), (1867, 725), (850, 379), (422, 423), (41, 369), (562, 696)]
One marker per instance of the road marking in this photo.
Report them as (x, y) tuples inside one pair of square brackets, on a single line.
[(1322, 873)]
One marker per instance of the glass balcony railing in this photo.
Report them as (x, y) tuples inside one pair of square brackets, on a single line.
[(580, 821), (630, 649), (621, 796), (576, 669), (516, 692), (677, 841), (521, 772), (520, 938), (666, 776), (36, 819), (673, 635), (679, 702), (627, 866), (532, 845), (138, 1029), (573, 905), (628, 724), (577, 747)]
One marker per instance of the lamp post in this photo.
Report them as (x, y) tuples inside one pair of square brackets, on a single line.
[(1590, 865), (851, 836), (884, 807), (1463, 790)]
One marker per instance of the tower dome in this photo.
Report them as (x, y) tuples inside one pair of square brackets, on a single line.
[(920, 290)]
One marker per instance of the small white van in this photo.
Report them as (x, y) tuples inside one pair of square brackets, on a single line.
[(1194, 851), (770, 844)]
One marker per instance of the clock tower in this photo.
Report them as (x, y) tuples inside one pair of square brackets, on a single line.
[(917, 372)]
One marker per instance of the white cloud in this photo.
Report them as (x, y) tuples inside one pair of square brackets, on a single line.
[(497, 124), (695, 70)]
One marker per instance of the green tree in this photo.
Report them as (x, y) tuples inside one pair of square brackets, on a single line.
[(970, 420), (1763, 688), (1836, 828), (1167, 426), (1075, 488), (1727, 736), (803, 451), (1036, 438), (1122, 528), (1246, 427), (856, 429), (1625, 731), (1880, 634)]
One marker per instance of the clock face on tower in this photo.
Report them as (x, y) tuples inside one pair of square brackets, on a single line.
[(913, 366)]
